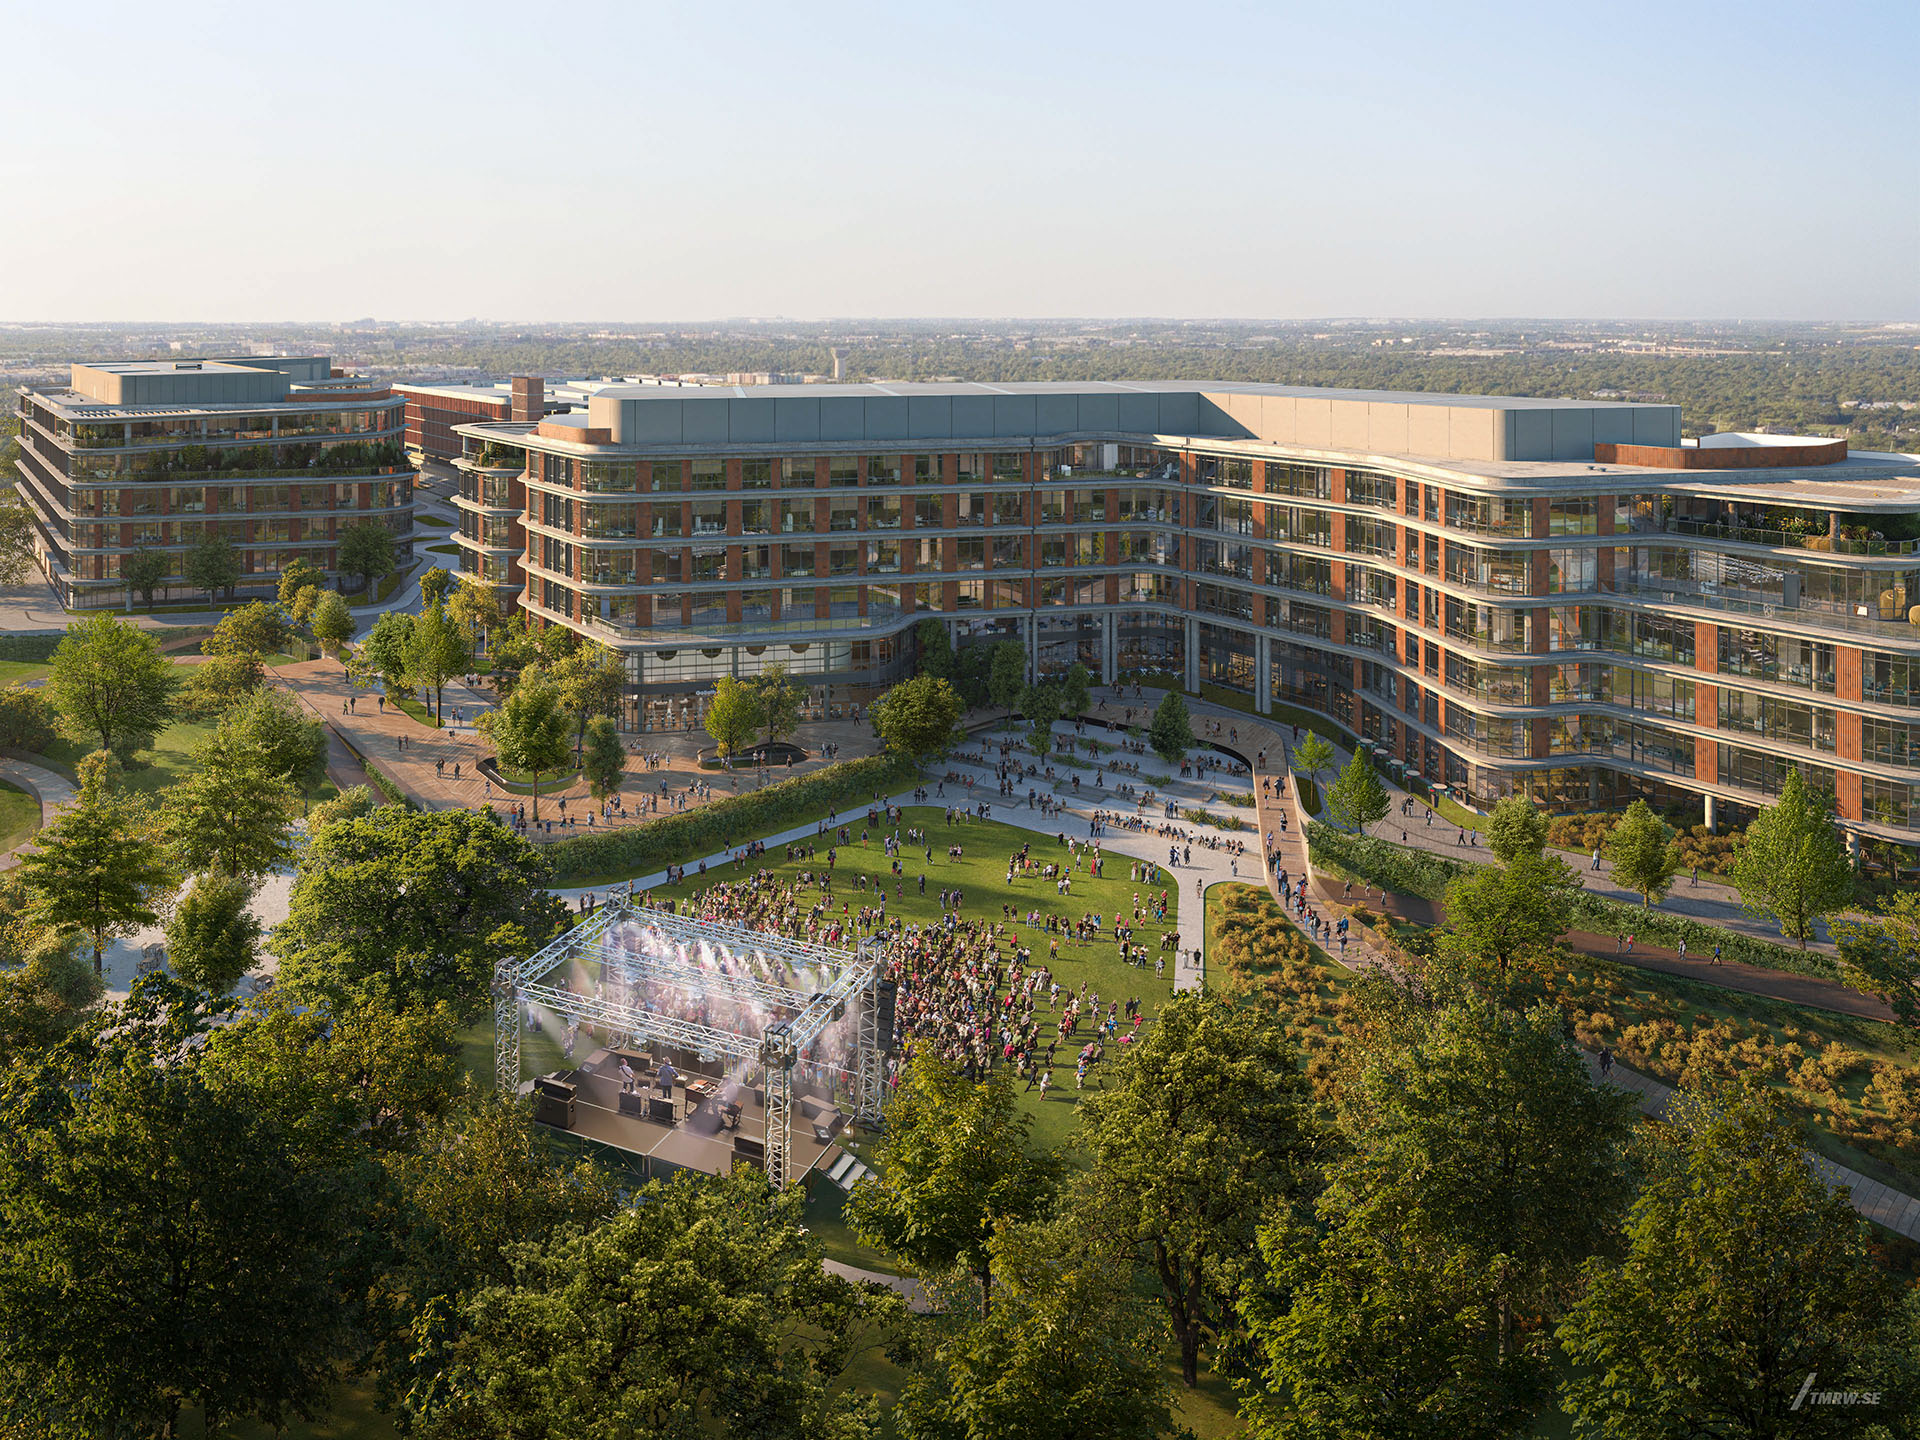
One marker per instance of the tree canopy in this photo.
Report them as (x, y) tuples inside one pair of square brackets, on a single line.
[(413, 906), (1171, 733), (529, 730), (1792, 865), (111, 684), (919, 717), (1357, 798), (1644, 857)]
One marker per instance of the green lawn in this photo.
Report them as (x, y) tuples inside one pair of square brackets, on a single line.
[(413, 707), (12, 672), (19, 816), (981, 876)]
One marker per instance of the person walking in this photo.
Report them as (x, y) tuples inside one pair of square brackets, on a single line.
[(1596, 859)]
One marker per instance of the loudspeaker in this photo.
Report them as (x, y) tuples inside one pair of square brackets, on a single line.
[(550, 1110), (748, 1148), (659, 1110), (811, 1110), (884, 995), (555, 1087), (632, 1104)]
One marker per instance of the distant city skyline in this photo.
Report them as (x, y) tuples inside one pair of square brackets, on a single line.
[(222, 163)]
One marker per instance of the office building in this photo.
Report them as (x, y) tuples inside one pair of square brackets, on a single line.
[(1554, 597), (279, 455)]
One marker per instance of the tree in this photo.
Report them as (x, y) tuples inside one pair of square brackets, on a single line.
[(1075, 687), (733, 716), (1880, 954), (1747, 1281), (300, 609), (1208, 1123), (415, 906), (700, 1310), (333, 624), (384, 651), (27, 719), (1644, 857), (218, 682), (1007, 673), (779, 701), (231, 814), (434, 585), (170, 1242), (1363, 1332), (366, 550), (18, 557), (972, 670), (1483, 1133), (935, 648), (1793, 865), (145, 571), (97, 868), (918, 718), (435, 652), (591, 679), (212, 936), (605, 759), (350, 804), (1069, 1351), (1508, 914), (46, 986), (952, 1165), (1040, 704), (1312, 756), (475, 609), (529, 731), (1517, 827), (213, 565), (1358, 798), (111, 683), (292, 745), (258, 629), (301, 575), (1171, 733)]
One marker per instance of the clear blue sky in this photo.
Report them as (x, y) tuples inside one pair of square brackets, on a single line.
[(179, 160)]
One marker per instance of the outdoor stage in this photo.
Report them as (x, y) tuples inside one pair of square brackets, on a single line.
[(764, 1035), (699, 1138)]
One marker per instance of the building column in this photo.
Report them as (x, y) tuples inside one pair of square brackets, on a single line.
[(1192, 649), (1109, 649), (1710, 814), (1033, 649), (1262, 675)]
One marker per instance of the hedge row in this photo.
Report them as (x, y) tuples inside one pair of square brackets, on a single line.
[(1422, 873), (34, 649), (676, 839)]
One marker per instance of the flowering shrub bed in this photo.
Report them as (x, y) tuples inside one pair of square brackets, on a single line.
[(1256, 957), (1584, 834)]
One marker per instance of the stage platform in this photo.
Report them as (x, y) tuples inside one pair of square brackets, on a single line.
[(697, 1140)]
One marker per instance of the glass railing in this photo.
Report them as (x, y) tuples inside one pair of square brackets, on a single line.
[(745, 630)]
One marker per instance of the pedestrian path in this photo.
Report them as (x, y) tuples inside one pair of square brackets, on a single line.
[(51, 789)]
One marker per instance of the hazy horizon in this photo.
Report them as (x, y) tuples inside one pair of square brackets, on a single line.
[(633, 164)]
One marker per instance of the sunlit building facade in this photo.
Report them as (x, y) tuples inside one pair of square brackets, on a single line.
[(1553, 597), (278, 455)]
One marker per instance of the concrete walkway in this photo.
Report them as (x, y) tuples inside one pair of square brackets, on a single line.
[(51, 789)]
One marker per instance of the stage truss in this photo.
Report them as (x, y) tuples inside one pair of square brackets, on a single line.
[(849, 981)]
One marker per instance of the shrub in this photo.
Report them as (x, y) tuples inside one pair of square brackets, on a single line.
[(1421, 873), (674, 839), (26, 719), (1196, 816), (1712, 853)]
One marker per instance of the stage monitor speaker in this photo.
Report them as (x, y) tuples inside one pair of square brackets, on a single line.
[(659, 1110), (554, 1087), (749, 1148), (633, 1104), (555, 1112), (822, 1133), (810, 1110), (884, 995)]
